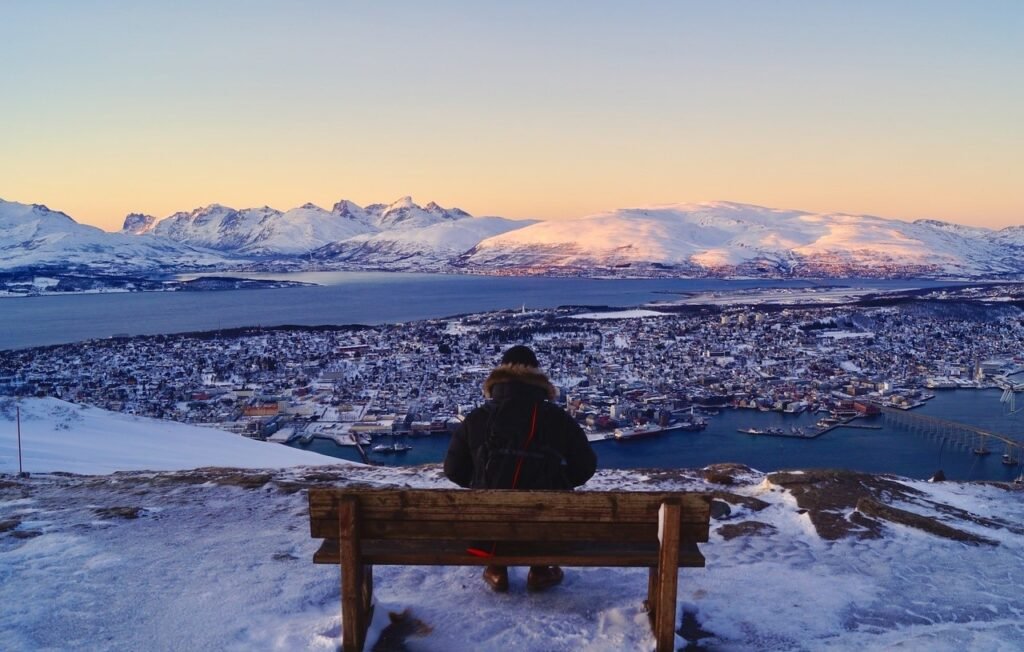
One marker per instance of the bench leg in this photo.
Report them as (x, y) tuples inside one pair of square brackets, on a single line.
[(651, 603), (368, 594), (355, 588), (668, 577)]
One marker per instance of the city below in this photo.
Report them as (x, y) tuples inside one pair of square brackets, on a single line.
[(623, 375)]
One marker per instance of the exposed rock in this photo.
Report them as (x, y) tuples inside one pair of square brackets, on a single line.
[(9, 524), (751, 503), (871, 507), (730, 531), (720, 510), (829, 495), (729, 474), (655, 476), (118, 512), (26, 534), (964, 515)]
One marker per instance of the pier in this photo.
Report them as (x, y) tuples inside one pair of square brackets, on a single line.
[(812, 433)]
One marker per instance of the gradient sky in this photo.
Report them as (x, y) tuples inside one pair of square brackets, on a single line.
[(523, 109)]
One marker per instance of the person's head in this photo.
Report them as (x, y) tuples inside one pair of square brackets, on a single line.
[(520, 355)]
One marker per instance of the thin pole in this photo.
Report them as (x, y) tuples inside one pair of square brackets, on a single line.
[(17, 411)]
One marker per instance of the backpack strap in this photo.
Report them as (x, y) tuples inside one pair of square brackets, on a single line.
[(478, 550), (533, 431)]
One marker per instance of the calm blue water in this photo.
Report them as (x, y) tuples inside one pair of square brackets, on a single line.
[(888, 450), (374, 298), (343, 298)]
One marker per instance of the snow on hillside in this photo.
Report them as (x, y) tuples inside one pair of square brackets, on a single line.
[(34, 235), (61, 436), (719, 235), (721, 238), (432, 246), (265, 231), (215, 226), (301, 230), (220, 559)]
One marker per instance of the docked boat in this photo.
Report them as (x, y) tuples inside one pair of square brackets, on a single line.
[(636, 432), (691, 424), (391, 448), (1010, 460), (762, 431)]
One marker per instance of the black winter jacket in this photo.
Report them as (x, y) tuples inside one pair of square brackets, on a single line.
[(514, 390)]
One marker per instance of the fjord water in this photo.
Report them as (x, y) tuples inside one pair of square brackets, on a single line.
[(887, 450), (375, 298), (344, 298)]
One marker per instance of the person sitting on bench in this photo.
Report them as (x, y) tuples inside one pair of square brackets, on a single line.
[(519, 439)]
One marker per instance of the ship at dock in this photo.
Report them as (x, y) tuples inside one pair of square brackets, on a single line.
[(690, 424)]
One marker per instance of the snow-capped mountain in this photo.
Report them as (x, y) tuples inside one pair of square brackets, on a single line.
[(712, 238), (32, 235), (138, 224), (430, 247), (269, 232), (731, 238)]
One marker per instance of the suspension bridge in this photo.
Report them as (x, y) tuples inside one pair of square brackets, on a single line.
[(969, 438)]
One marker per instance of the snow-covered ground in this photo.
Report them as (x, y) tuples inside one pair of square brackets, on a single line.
[(620, 314), (61, 436), (219, 559)]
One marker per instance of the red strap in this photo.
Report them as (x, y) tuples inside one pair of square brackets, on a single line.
[(477, 552), (519, 464)]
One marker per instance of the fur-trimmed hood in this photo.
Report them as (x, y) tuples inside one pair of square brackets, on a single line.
[(518, 373)]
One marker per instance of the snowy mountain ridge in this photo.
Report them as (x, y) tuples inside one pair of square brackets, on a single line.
[(696, 239), (730, 238), (32, 235)]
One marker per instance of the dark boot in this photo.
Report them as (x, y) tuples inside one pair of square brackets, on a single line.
[(543, 577), (497, 578)]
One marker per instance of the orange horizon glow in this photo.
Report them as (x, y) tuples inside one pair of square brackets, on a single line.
[(524, 111)]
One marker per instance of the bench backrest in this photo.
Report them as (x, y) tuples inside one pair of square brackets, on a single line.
[(468, 515)]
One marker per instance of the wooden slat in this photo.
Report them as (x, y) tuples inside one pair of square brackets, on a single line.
[(511, 531), (449, 553), (484, 506)]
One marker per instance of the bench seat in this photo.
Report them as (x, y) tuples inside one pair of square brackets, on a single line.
[(363, 527), (452, 553)]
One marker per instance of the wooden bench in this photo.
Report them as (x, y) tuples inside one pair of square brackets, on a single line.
[(363, 527)]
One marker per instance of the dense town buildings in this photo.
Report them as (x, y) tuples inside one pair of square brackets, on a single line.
[(614, 369)]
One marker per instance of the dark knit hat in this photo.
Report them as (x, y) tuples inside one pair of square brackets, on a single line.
[(520, 354)]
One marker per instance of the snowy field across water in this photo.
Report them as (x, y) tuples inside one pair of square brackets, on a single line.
[(621, 314)]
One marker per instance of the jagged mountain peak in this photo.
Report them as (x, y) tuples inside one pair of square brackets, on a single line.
[(402, 202), (138, 223)]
